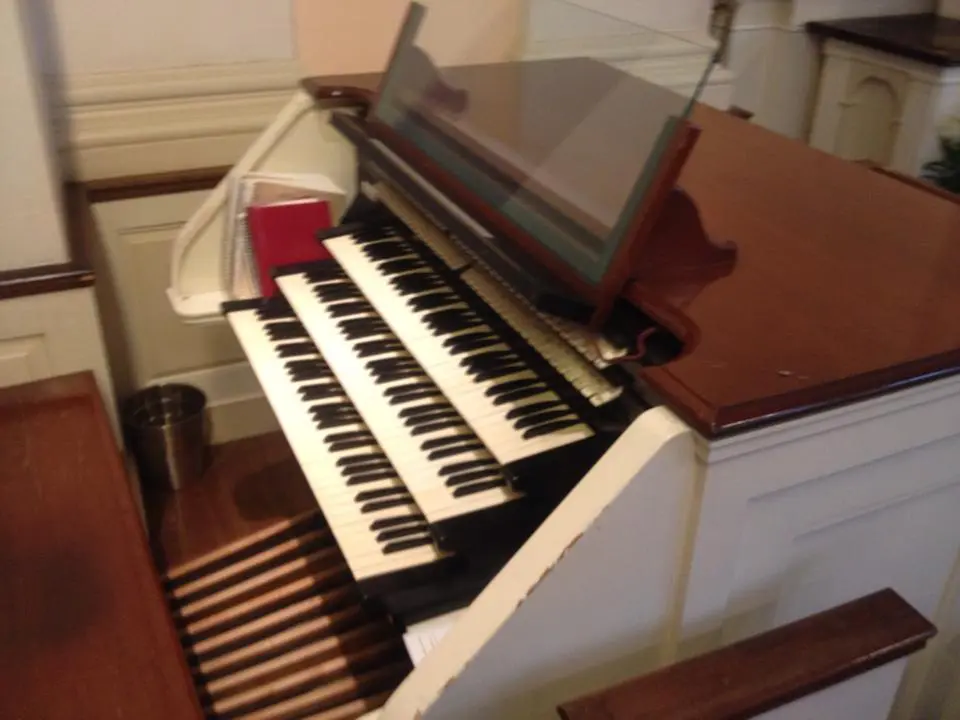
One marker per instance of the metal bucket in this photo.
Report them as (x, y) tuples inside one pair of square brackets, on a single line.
[(164, 427)]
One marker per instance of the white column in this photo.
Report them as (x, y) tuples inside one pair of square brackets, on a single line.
[(31, 224)]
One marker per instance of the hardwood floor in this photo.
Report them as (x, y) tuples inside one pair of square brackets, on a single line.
[(249, 485)]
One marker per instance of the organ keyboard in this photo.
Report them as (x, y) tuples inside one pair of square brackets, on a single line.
[(528, 384)]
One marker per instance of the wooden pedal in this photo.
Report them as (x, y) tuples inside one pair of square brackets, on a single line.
[(273, 628)]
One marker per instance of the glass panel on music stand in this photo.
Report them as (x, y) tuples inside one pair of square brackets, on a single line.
[(555, 115)]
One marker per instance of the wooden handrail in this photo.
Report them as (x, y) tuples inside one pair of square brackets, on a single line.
[(768, 670)]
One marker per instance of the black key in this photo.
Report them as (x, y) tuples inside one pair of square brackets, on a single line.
[(360, 459), (432, 301), (351, 444), (418, 395), (442, 413), (399, 545), (336, 293), (468, 337), (407, 389), (446, 441), (421, 409), (377, 347), (346, 309), (394, 375), (385, 504), (368, 331), (467, 465), (323, 392), (490, 360), (395, 521), (499, 372), (393, 363), (550, 427), (360, 323), (533, 408), (294, 349), (310, 373), (464, 490), (386, 250), (467, 477), (325, 270), (392, 267), (511, 385), (361, 478), (331, 409), (320, 391), (440, 425), (314, 373), (338, 421), (365, 495), (417, 283), (475, 344), (549, 416), (401, 532), (457, 318), (374, 232), (353, 471), (351, 435), (305, 363), (285, 330), (517, 395), (454, 451), (275, 311)]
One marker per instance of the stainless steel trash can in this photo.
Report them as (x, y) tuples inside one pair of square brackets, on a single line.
[(164, 426)]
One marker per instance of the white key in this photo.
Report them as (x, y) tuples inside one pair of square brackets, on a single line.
[(350, 525), (465, 393), (420, 472)]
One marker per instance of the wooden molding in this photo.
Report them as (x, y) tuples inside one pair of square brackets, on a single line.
[(75, 273), (165, 183), (770, 669), (81, 228), (125, 123)]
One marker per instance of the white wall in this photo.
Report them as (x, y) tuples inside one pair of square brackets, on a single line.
[(31, 227), (776, 64), (949, 8), (95, 36)]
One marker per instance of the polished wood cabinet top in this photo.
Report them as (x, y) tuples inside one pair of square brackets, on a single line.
[(84, 630), (846, 282)]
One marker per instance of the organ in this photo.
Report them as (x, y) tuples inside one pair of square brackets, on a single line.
[(602, 375)]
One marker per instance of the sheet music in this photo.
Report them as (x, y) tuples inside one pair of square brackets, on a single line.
[(421, 638), (239, 268)]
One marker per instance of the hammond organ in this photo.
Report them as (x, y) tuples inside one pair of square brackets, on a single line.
[(606, 375)]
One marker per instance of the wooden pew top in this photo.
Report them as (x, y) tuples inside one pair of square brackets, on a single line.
[(84, 629)]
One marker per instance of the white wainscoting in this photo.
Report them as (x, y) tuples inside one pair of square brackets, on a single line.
[(148, 343), (817, 512), (43, 336)]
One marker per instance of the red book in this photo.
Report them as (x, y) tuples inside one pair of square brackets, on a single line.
[(285, 234)]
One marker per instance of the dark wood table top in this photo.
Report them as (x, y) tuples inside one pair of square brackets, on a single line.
[(84, 630), (847, 282), (924, 37)]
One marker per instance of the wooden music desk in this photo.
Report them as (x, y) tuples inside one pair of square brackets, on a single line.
[(84, 631)]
